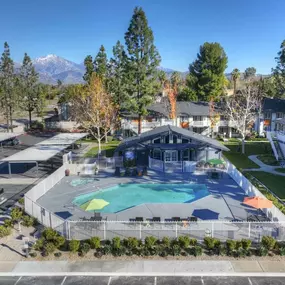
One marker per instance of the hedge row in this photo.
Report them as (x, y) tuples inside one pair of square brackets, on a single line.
[(151, 246)]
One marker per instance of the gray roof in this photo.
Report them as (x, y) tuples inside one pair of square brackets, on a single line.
[(182, 107), (274, 105), (132, 141)]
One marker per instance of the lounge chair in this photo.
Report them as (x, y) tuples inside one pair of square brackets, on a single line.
[(156, 219), (176, 219), (139, 219), (193, 219)]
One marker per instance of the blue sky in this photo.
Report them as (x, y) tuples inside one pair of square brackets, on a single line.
[(250, 31)]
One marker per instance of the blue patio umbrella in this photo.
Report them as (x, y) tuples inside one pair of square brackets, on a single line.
[(205, 214)]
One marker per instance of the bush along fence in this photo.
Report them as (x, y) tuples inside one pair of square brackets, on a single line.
[(52, 243)]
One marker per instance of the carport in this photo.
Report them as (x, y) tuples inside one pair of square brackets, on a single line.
[(34, 154), (7, 136)]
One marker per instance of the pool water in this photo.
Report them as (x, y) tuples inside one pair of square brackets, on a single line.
[(124, 196)]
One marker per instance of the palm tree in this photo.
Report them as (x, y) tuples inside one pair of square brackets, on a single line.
[(162, 78), (235, 76)]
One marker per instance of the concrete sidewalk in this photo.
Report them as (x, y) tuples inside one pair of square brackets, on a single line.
[(144, 268)]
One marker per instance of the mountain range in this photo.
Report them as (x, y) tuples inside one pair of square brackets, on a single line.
[(52, 68)]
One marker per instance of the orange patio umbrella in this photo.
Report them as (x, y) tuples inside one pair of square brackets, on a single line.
[(258, 202)]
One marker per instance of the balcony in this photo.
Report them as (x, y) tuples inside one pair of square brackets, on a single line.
[(200, 123)]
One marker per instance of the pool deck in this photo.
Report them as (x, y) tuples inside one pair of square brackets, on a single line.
[(225, 199)]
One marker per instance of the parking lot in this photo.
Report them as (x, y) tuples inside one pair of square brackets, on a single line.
[(147, 280)]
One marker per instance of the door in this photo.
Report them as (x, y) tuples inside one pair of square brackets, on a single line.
[(170, 155), (142, 157)]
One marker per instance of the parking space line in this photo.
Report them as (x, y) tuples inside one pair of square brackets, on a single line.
[(250, 282), (18, 280), (109, 281), (155, 280), (202, 280), (63, 280)]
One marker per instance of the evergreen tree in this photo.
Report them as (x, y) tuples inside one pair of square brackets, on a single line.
[(206, 77), (279, 71), (28, 81), (117, 84), (7, 85), (101, 63), (249, 73), (89, 68), (141, 68)]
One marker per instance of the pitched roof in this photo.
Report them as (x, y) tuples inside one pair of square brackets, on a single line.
[(273, 104), (132, 141)]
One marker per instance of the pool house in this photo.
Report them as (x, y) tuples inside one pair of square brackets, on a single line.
[(169, 149)]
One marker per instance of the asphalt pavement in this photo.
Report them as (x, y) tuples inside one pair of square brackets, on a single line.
[(145, 280)]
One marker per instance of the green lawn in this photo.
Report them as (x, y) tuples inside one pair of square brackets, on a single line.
[(268, 159), (275, 183), (282, 170), (240, 160), (109, 148)]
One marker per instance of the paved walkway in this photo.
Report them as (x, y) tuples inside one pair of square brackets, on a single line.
[(144, 268), (264, 167)]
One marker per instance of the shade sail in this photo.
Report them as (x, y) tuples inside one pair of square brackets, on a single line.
[(215, 161), (93, 205)]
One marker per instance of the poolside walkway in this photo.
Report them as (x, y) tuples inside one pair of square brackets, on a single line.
[(264, 167)]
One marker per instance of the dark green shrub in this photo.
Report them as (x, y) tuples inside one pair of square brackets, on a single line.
[(95, 242), (262, 251), (131, 243), (184, 241), (27, 221), (49, 234), (193, 242), (49, 248), (166, 241), (118, 251), (107, 242), (22, 201), (246, 243), (268, 242), (197, 250), (211, 243), (74, 245), (238, 245), (282, 251), (241, 252), (8, 223), (58, 254), (221, 250), (4, 231), (150, 241), (33, 254), (116, 242), (176, 250), (84, 248), (107, 249), (98, 254)]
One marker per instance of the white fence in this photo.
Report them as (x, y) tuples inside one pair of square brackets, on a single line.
[(222, 230), (274, 213), (269, 137), (155, 164), (281, 140)]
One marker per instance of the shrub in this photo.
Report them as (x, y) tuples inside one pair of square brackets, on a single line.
[(166, 241), (262, 251), (8, 223), (16, 214), (176, 250), (131, 243), (184, 241), (238, 244), (107, 249), (118, 251), (282, 251), (39, 244), (197, 250), (33, 254), (241, 252), (27, 221), (95, 242), (74, 245), (22, 201), (193, 242), (246, 243), (59, 241), (49, 248), (49, 234), (150, 241), (58, 254), (4, 231), (231, 245), (116, 242), (268, 242), (98, 254), (84, 248), (211, 243)]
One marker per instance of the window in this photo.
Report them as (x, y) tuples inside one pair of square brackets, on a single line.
[(183, 119), (186, 154), (279, 115), (174, 139), (170, 155), (167, 139), (156, 154), (156, 140), (185, 140), (267, 115), (197, 118)]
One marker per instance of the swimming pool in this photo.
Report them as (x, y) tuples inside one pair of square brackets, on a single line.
[(124, 196)]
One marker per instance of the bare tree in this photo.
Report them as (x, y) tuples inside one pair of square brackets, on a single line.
[(241, 110), (93, 109)]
